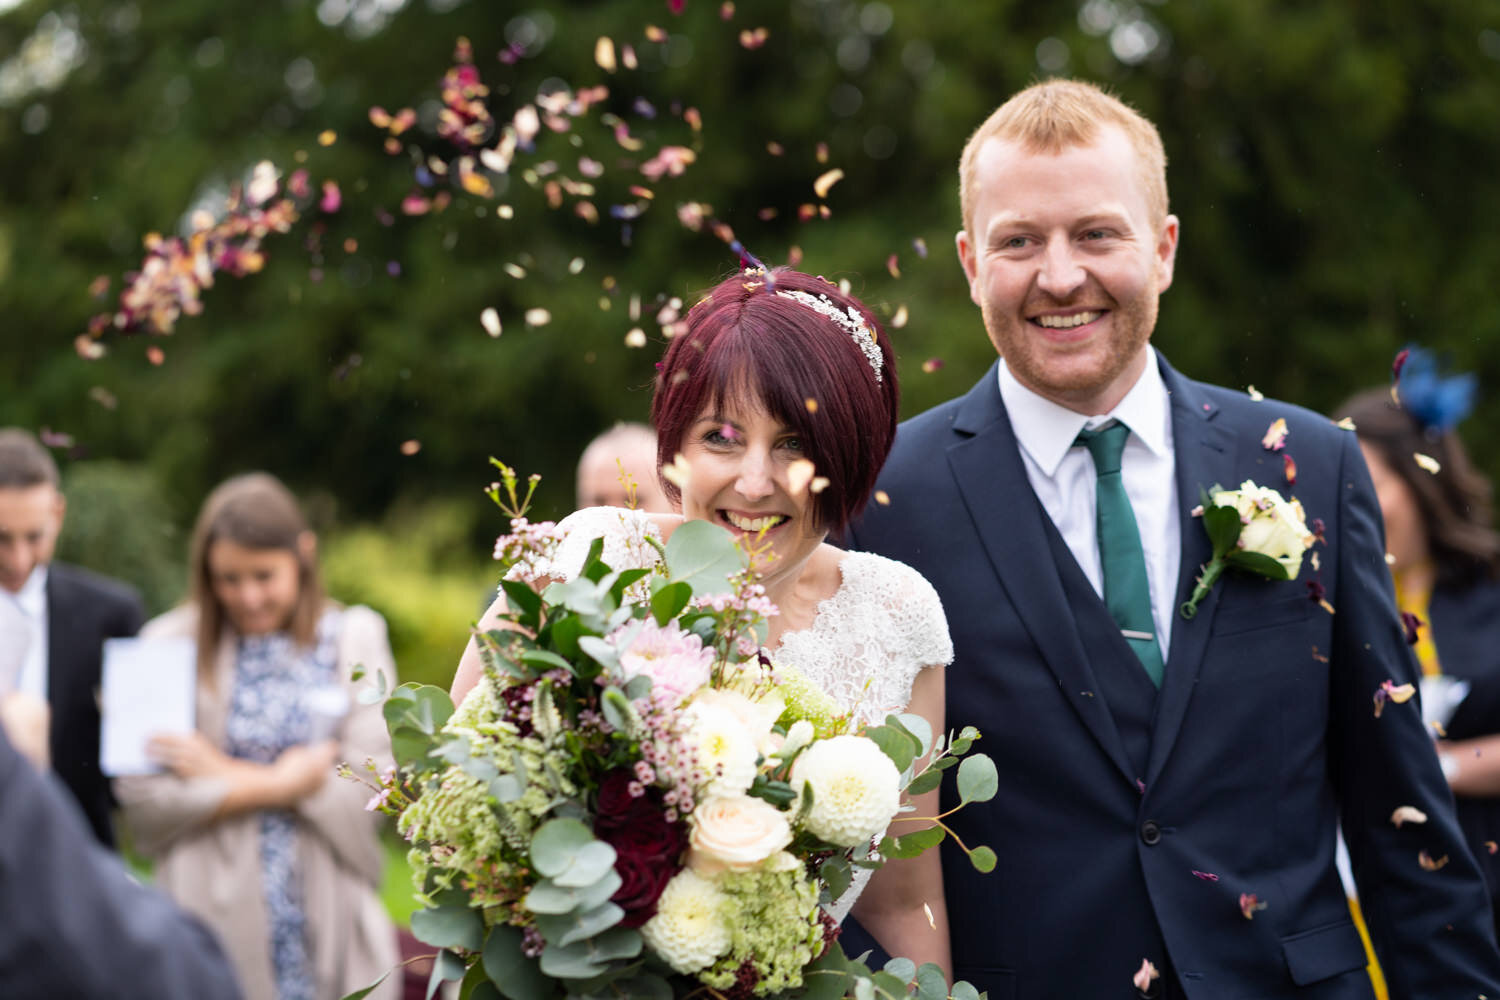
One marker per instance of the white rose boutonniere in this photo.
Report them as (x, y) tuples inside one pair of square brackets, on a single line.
[(1254, 529)]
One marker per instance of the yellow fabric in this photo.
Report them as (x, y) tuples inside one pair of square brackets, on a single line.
[(1377, 979), (1415, 600)]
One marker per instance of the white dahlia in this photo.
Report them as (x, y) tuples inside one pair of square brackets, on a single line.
[(856, 789), (689, 930), (725, 751)]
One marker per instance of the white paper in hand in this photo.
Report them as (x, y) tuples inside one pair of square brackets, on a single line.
[(149, 687)]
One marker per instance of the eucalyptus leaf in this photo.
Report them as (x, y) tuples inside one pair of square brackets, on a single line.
[(977, 779), (920, 729), (593, 563), (704, 556), (525, 602), (963, 990), (925, 782), (600, 651), (565, 851), (573, 961), (983, 859), (616, 708), (645, 987), (836, 873), (549, 897), (638, 687), (449, 927), (888, 985), (447, 968), (903, 969), (544, 659), (480, 769), (518, 977), (410, 746), (897, 744), (623, 581), (361, 994)]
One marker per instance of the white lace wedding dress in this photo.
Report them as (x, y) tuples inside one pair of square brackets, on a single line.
[(865, 646)]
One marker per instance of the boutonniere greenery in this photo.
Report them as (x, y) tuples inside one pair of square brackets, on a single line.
[(1254, 529)]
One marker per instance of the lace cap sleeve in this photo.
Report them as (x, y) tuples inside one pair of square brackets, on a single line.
[(624, 532), (918, 613)]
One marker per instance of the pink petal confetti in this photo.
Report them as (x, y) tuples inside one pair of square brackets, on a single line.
[(675, 6), (655, 34), (1275, 438), (155, 355), (627, 57), (1408, 814), (104, 397), (1249, 904), (726, 10), (590, 167), (775, 148), (415, 203), (296, 185), (669, 161), (694, 118), (1391, 691), (893, 265), (1491, 846), (1145, 976), (932, 365), (332, 198), (1398, 363), (410, 447), (54, 439), (1205, 876), (822, 152), (1289, 468), (1254, 393), (1412, 626), (1428, 864), (754, 39), (99, 287)]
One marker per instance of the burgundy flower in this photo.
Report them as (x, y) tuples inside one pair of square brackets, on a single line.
[(644, 879)]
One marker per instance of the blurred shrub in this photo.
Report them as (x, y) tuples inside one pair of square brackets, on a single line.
[(119, 524), (419, 571)]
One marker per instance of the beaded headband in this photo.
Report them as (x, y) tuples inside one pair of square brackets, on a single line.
[(851, 321)]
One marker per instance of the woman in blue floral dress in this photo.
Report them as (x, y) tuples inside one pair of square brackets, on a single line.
[(249, 826)]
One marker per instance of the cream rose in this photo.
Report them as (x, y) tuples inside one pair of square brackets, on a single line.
[(757, 717), (1273, 526), (736, 832)]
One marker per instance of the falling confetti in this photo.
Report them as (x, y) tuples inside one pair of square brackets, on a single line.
[(798, 474), (932, 365), (1344, 424), (1289, 468), (1205, 876), (1428, 864), (927, 910), (1145, 976), (677, 472), (411, 447), (1408, 814), (1275, 438), (893, 265), (635, 338), (754, 38), (1254, 393), (538, 317), (490, 319), (818, 484), (1396, 365), (1392, 692), (604, 54), (826, 181), (327, 137), (1427, 463), (811, 404), (1249, 904), (882, 498), (920, 245)]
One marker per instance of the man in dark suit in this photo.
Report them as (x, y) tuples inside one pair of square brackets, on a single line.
[(1171, 786), (68, 612)]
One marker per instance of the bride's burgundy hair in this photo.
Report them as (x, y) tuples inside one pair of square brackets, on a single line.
[(744, 343)]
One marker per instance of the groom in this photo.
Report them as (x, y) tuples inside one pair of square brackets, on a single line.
[(1171, 787)]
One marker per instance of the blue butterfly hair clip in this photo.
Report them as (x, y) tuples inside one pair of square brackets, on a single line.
[(1436, 401)]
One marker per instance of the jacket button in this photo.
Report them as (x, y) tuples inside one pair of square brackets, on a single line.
[(1150, 833)]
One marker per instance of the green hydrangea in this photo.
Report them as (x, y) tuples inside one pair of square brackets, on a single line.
[(462, 833), (775, 925), (805, 700)]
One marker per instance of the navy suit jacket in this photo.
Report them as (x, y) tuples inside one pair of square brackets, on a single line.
[(83, 609), (75, 924), (1465, 622), (1129, 822)]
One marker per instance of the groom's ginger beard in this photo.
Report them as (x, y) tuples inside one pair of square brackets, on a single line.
[(1018, 340)]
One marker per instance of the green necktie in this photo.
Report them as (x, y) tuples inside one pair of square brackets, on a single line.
[(1126, 593)]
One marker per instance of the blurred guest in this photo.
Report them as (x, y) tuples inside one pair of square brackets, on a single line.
[(76, 925), (67, 613), (25, 718), (250, 828), (1444, 554), (618, 469)]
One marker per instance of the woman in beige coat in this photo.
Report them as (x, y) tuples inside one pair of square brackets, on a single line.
[(249, 827)]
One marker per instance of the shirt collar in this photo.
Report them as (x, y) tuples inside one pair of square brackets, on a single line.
[(1046, 430), (32, 597)]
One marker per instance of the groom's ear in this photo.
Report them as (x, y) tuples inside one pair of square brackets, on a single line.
[(969, 262), (1166, 253)]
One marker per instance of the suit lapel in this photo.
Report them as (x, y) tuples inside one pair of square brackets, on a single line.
[(991, 476), (1205, 456), (62, 642)]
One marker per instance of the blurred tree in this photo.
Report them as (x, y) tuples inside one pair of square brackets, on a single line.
[(1329, 163)]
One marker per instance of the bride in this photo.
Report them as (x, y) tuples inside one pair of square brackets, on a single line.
[(776, 408)]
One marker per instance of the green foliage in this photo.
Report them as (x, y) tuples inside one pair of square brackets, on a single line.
[(119, 524)]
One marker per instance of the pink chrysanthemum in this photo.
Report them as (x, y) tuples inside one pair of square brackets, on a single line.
[(676, 661)]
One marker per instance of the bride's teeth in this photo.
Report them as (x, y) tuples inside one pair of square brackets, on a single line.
[(754, 523), (1068, 322)]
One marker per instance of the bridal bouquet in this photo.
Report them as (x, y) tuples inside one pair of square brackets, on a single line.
[(636, 802)]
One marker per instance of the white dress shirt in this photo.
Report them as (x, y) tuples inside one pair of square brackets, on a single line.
[(28, 629), (1063, 478)]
